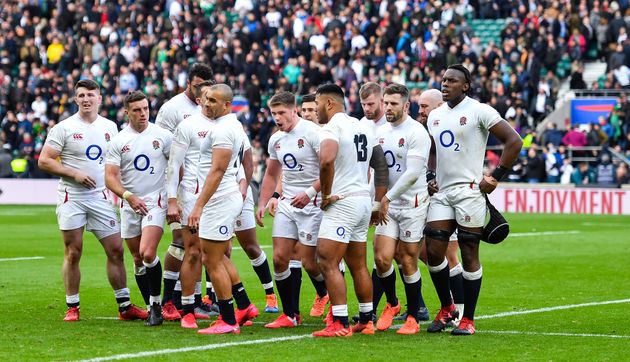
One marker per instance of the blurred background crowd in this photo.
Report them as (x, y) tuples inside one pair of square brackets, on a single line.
[(518, 61)]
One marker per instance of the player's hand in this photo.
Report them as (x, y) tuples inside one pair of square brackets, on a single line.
[(432, 186), (84, 179), (382, 212), (300, 200), (193, 219), (329, 201), (137, 205), (260, 214), (174, 212), (488, 184), (272, 206)]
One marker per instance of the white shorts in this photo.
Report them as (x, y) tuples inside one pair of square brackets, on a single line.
[(460, 203), (347, 220), (186, 201), (406, 225), (246, 220), (218, 217), (297, 224), (132, 223), (98, 214)]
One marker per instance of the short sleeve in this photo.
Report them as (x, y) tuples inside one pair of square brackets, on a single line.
[(419, 144), (329, 132), (488, 116), (164, 118), (313, 139), (271, 148), (222, 138), (113, 154), (246, 144), (168, 140), (56, 137)]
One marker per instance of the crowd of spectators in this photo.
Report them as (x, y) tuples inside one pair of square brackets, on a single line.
[(260, 47)]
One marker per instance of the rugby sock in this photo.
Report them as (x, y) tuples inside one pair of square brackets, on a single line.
[(439, 275), (188, 304), (177, 295), (197, 294), (122, 298), (284, 282), (319, 284), (226, 308), (365, 313), (457, 287), (261, 267), (388, 281), (72, 300), (377, 289), (296, 277), (472, 286), (142, 279), (154, 274), (240, 296), (170, 279), (413, 284), (340, 313)]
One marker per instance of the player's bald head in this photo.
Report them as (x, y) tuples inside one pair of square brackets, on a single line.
[(432, 96), (223, 91)]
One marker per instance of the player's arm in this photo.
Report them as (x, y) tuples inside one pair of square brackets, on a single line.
[(112, 182), (220, 163), (48, 162), (248, 165), (327, 155), (512, 143), (381, 182), (268, 187), (175, 167)]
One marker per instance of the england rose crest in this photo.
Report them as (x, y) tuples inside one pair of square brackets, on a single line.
[(401, 142), (462, 121), (107, 137), (300, 143), (156, 144)]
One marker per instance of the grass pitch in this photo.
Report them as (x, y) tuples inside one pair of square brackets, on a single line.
[(557, 289)]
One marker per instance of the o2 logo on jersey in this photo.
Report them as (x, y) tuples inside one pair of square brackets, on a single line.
[(391, 160), (447, 139), (223, 230), (291, 162), (94, 153), (142, 163)]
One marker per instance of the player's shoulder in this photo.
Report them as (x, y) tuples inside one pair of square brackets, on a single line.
[(277, 136)]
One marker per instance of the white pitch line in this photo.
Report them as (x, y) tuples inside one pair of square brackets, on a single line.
[(542, 233), (196, 348), (22, 258), (550, 309), (261, 246), (555, 334)]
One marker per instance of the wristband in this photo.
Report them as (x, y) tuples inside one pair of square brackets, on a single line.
[(275, 195), (499, 172), (311, 192), (376, 206), (326, 197), (175, 225), (127, 194), (431, 175)]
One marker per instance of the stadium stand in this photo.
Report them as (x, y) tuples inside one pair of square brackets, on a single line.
[(520, 54)]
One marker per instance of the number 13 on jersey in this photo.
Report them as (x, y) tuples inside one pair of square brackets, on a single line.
[(360, 142)]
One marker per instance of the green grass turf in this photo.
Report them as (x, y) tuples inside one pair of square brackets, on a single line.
[(523, 273)]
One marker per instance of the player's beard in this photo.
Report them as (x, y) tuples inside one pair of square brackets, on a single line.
[(394, 117)]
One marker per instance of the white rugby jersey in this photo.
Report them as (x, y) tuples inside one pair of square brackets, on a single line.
[(142, 158), (460, 135), (188, 136), (356, 141), (173, 112), (83, 147), (227, 133), (408, 142), (375, 125), (298, 152)]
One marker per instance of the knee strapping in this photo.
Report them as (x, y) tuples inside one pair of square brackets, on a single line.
[(441, 235), (176, 252), (468, 237)]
